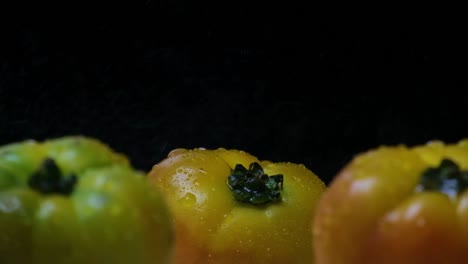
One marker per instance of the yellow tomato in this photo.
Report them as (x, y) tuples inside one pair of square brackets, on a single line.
[(230, 207)]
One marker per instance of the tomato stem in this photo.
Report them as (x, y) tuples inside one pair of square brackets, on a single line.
[(446, 178), (49, 179), (254, 186)]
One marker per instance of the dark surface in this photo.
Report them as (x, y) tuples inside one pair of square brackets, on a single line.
[(334, 91)]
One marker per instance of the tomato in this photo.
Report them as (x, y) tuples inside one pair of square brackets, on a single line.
[(75, 200), (397, 204), (230, 207)]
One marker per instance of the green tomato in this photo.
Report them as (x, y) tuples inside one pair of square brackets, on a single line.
[(75, 200)]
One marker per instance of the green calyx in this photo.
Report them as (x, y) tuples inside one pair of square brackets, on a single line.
[(446, 178), (254, 186), (48, 179)]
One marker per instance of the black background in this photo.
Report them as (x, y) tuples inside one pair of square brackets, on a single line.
[(313, 93)]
